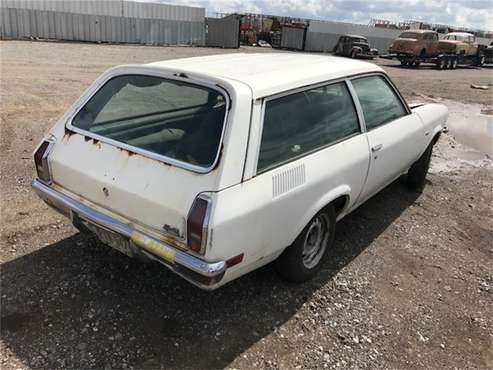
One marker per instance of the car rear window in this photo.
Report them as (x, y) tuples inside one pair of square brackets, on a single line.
[(171, 118), (408, 35)]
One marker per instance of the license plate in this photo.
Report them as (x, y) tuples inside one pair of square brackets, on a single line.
[(110, 238)]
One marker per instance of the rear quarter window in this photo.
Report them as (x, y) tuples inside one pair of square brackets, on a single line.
[(173, 119), (300, 123)]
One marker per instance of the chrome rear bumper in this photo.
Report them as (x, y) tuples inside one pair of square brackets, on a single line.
[(201, 273)]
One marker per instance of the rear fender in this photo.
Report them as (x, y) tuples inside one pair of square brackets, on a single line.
[(327, 198)]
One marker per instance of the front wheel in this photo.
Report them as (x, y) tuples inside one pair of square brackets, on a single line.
[(416, 176), (302, 260)]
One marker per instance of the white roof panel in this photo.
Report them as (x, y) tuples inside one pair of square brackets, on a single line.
[(270, 73)]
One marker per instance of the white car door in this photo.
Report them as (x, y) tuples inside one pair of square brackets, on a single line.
[(396, 136)]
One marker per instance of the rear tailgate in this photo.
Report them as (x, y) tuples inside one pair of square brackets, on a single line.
[(145, 191)]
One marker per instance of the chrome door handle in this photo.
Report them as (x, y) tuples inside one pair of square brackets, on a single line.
[(376, 148)]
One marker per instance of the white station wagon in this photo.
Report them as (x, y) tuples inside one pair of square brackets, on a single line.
[(217, 165)]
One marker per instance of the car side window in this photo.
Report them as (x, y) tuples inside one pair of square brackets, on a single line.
[(378, 100), (300, 123)]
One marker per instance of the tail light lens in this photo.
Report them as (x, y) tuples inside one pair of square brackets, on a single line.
[(198, 223), (41, 161)]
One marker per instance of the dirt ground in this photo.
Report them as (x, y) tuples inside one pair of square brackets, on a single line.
[(408, 285)]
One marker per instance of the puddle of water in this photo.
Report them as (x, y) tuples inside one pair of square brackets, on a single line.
[(471, 127), (470, 139), (470, 124)]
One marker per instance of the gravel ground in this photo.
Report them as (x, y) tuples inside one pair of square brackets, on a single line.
[(408, 285)]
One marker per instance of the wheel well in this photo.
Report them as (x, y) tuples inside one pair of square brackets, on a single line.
[(436, 137), (339, 203)]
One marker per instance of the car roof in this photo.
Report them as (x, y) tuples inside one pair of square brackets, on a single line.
[(356, 36), (464, 34), (420, 31), (269, 73)]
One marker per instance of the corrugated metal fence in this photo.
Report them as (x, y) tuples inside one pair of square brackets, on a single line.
[(323, 36), (293, 38), (155, 24), (223, 32), (115, 8)]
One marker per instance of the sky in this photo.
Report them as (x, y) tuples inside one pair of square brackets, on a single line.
[(466, 13)]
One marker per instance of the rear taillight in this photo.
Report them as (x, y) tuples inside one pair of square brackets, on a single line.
[(197, 224), (41, 161)]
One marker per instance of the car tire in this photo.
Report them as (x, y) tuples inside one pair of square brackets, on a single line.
[(454, 63), (416, 176), (441, 64), (302, 260), (481, 60), (353, 54)]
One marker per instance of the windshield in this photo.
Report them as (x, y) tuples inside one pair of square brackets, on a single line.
[(171, 118), (457, 37), (408, 35), (359, 40)]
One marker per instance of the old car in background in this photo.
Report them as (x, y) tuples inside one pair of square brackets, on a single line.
[(414, 47), (214, 166), (460, 43), (463, 45), (262, 44), (414, 44), (354, 46)]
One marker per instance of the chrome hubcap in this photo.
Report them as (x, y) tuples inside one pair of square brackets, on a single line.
[(315, 241)]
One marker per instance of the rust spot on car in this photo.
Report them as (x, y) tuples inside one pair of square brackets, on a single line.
[(68, 132), (181, 74), (127, 152), (96, 143)]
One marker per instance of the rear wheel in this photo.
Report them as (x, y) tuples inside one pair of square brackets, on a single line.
[(302, 260), (449, 63), (454, 63), (416, 176)]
